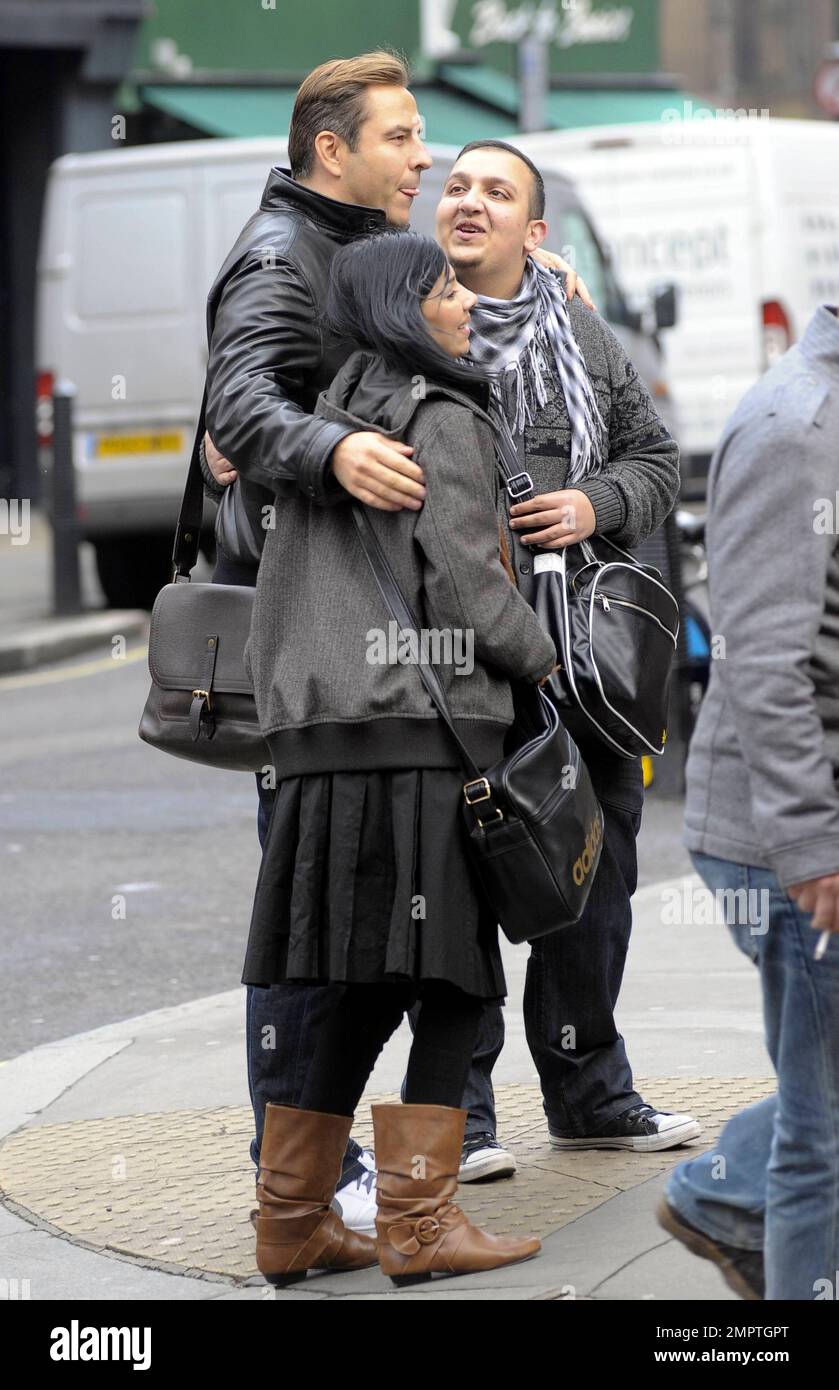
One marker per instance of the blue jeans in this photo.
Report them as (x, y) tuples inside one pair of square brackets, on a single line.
[(772, 1181), (573, 981)]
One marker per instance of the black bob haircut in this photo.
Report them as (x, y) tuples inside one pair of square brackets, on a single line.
[(537, 192), (376, 288)]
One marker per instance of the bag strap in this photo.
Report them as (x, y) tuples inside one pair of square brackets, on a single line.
[(628, 559), (518, 483), (188, 529), (400, 610)]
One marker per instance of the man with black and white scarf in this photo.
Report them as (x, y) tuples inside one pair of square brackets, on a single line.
[(584, 427)]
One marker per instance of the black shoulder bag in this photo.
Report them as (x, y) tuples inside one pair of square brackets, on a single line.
[(614, 624), (201, 704)]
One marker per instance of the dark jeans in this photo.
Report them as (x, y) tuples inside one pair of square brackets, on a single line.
[(572, 984), (571, 989)]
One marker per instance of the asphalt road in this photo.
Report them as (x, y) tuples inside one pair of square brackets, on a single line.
[(126, 876)]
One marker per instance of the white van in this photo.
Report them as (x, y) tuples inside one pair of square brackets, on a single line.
[(741, 213), (131, 242)]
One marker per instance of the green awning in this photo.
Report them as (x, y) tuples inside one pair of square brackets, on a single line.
[(495, 88), (252, 111), (454, 120), (571, 107), (226, 111)]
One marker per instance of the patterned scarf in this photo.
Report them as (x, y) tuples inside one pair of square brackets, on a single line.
[(525, 341)]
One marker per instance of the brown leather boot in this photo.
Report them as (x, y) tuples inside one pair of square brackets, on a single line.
[(420, 1230), (299, 1167)]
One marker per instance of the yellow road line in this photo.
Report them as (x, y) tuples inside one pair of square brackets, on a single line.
[(69, 673)]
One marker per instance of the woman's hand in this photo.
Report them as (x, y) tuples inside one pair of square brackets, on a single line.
[(574, 283), (561, 518), (544, 679)]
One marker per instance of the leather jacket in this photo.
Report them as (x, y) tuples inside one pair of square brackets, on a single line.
[(271, 355)]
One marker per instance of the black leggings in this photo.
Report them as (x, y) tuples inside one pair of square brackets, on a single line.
[(355, 1031)]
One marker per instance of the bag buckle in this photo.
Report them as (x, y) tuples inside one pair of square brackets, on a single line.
[(519, 484), (499, 815), (479, 782), (206, 696)]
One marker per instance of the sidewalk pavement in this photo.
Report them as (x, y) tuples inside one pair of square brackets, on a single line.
[(124, 1168), (30, 633)]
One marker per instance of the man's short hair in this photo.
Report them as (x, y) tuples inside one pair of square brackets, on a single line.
[(332, 97), (537, 191)]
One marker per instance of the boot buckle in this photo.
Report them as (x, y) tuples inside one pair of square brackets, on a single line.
[(408, 1236), (427, 1230)]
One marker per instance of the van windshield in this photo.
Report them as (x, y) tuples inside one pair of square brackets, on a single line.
[(581, 247)]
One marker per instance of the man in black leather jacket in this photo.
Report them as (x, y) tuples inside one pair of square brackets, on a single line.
[(270, 354), (356, 161)]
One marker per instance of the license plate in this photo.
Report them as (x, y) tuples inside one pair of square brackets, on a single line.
[(163, 442)]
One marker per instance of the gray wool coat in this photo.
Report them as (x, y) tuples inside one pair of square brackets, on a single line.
[(325, 699)]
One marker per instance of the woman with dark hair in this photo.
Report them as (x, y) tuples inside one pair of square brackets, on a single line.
[(365, 879)]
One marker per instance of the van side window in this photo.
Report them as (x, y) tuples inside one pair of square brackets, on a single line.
[(121, 273)]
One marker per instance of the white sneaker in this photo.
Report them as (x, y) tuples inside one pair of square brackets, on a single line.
[(643, 1129), (356, 1200), (483, 1158)]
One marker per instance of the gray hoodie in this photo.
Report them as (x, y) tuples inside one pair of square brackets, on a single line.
[(325, 700), (764, 760)]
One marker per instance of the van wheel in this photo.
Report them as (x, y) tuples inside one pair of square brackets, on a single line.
[(132, 568)]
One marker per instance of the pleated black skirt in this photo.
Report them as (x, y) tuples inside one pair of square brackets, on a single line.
[(365, 878)]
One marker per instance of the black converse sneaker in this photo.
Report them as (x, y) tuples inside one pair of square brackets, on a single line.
[(742, 1270), (484, 1159), (641, 1128)]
